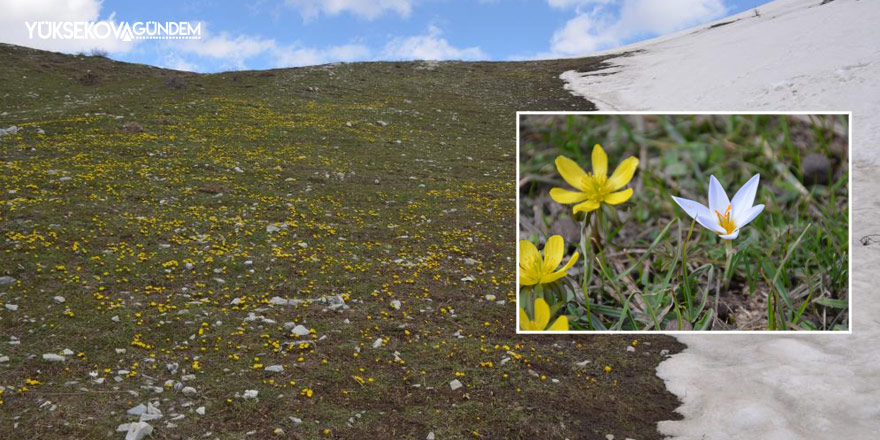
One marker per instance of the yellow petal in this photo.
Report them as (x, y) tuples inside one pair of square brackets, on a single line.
[(587, 206), (553, 251), (565, 197), (561, 324), (571, 172), (542, 313), (526, 278), (524, 320), (623, 174), (618, 197), (600, 161), (527, 252)]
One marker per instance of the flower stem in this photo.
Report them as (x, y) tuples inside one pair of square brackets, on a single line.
[(727, 276), (597, 239)]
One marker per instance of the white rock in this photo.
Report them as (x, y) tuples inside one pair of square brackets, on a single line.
[(272, 228), (377, 343), (138, 430), (275, 368), (189, 391), (123, 427), (4, 280), (490, 297), (395, 304), (430, 436), (455, 384), (470, 261), (52, 357), (250, 394), (12, 307), (67, 352), (235, 301), (300, 330), (4, 359), (200, 410), (278, 301), (137, 410), (59, 299)]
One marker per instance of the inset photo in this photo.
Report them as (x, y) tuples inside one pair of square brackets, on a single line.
[(635, 222)]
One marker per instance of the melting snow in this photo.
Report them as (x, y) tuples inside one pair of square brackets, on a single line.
[(797, 55)]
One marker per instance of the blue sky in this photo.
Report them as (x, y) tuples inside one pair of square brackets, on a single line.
[(263, 34)]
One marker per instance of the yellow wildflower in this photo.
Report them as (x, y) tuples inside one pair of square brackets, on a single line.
[(542, 318), (596, 187), (536, 270)]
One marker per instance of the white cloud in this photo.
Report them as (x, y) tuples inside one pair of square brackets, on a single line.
[(15, 14), (368, 9), (234, 52), (596, 27), (175, 61), (430, 46)]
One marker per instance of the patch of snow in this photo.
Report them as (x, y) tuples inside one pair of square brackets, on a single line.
[(797, 55)]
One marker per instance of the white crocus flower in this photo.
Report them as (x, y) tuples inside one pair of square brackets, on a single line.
[(724, 216)]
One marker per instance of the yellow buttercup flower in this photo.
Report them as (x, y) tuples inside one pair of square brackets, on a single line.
[(594, 188), (542, 318), (536, 270)]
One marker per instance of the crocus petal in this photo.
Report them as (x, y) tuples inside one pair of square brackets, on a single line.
[(691, 207), (524, 322), (623, 173), (587, 206), (571, 172), (600, 161), (718, 200), (619, 197), (542, 313), (553, 251), (561, 324), (710, 223), (732, 235), (745, 197), (565, 197), (747, 216)]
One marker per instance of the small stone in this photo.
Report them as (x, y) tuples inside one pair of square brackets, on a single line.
[(138, 430), (200, 410), (4, 280), (377, 343), (59, 299), (67, 352), (300, 330), (470, 261), (272, 228), (490, 297), (4, 359), (123, 427), (430, 436), (278, 301), (630, 348), (12, 307), (52, 357), (189, 391), (235, 301), (137, 410), (455, 384), (395, 304), (250, 394), (275, 368)]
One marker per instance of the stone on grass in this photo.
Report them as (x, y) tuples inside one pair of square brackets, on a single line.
[(377, 343), (137, 410), (275, 368), (4, 280), (4, 359), (455, 384), (300, 330), (189, 391), (52, 357), (200, 410), (395, 304), (250, 394), (12, 307), (430, 436), (59, 299), (138, 430)]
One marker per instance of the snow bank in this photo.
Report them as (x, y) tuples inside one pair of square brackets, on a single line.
[(797, 55)]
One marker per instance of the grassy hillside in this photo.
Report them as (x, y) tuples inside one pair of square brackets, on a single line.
[(174, 230)]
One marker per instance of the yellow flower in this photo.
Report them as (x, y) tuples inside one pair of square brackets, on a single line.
[(594, 188), (536, 270), (542, 317)]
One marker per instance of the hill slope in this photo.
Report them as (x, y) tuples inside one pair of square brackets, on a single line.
[(337, 238)]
